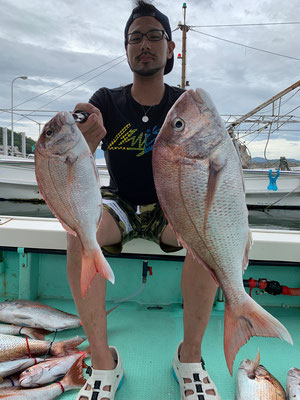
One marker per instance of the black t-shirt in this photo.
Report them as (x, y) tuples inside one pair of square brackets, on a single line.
[(129, 141)]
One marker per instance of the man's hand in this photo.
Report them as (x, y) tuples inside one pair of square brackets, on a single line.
[(93, 129)]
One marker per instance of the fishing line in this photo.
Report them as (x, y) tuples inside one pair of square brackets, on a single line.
[(50, 347), (76, 87), (244, 45), (65, 83), (257, 24)]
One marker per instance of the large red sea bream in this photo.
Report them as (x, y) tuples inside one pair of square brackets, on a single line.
[(199, 183), (69, 183)]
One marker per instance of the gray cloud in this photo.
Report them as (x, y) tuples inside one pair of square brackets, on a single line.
[(53, 42)]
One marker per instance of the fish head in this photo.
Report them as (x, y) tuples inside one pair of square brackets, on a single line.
[(294, 374), (30, 377), (59, 136), (248, 368), (193, 127)]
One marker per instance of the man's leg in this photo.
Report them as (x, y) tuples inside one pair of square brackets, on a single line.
[(91, 308), (198, 292)]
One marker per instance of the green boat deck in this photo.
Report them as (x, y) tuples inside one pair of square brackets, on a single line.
[(147, 329)]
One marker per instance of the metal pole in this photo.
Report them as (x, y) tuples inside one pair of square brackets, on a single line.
[(183, 47), (4, 134), (12, 110), (266, 103), (184, 29), (23, 144)]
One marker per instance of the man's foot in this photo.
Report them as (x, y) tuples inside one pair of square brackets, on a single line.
[(103, 384), (194, 381)]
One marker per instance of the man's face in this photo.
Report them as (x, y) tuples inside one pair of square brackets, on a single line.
[(148, 57)]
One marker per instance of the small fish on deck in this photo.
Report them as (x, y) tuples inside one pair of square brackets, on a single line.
[(255, 382), (15, 347), (10, 382), (8, 368), (72, 380), (34, 333), (293, 384), (50, 370), (26, 313)]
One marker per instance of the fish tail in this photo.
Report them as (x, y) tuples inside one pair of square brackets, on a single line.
[(74, 377), (242, 322), (66, 347), (92, 263)]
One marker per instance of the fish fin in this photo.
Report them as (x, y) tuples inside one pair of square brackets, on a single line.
[(256, 360), (92, 263), (195, 256), (66, 347), (203, 264), (74, 377), (243, 322), (216, 165), (67, 228), (247, 249)]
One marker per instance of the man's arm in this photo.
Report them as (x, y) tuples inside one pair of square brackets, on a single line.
[(93, 129)]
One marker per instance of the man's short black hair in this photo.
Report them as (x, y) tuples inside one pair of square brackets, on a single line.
[(144, 9)]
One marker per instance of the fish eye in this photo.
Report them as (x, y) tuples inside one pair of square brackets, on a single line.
[(49, 132), (178, 124)]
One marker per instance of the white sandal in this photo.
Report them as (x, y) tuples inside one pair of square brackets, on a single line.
[(98, 379), (200, 381)]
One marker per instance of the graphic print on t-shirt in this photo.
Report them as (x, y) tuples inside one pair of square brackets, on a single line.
[(130, 140)]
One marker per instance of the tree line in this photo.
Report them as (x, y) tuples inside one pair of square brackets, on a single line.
[(18, 141)]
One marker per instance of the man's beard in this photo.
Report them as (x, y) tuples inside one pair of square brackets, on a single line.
[(144, 71)]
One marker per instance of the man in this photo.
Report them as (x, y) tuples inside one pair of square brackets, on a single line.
[(127, 125)]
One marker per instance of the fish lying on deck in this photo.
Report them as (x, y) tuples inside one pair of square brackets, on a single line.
[(199, 183), (73, 380), (10, 367), (12, 381), (254, 382), (293, 384), (34, 333), (68, 180), (49, 370), (26, 313), (14, 347)]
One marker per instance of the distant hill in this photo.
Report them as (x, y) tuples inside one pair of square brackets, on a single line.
[(263, 160), (18, 141)]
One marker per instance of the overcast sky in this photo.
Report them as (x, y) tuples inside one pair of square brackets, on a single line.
[(53, 42)]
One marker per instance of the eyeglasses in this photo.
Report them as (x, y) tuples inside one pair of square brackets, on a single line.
[(153, 36)]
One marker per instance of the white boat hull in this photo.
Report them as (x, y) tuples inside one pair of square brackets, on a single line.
[(258, 194), (17, 182)]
